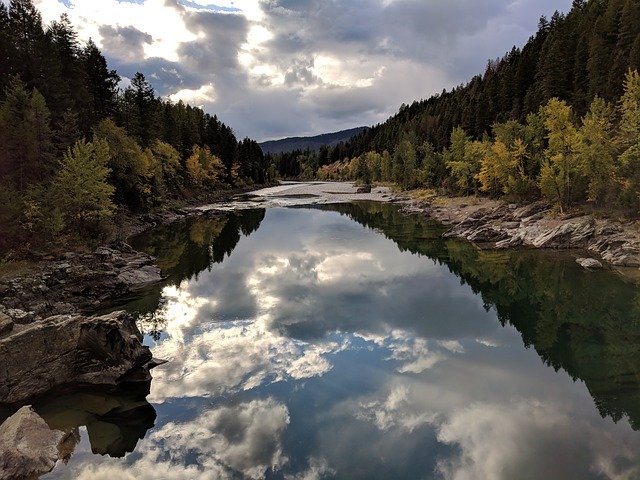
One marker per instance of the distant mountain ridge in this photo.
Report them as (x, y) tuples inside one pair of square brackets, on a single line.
[(311, 143)]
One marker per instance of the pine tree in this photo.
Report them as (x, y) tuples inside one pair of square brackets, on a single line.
[(26, 155)]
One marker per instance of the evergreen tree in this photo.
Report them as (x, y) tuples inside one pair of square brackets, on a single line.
[(26, 156)]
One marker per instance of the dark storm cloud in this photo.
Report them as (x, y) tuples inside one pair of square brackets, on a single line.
[(217, 50), (125, 42)]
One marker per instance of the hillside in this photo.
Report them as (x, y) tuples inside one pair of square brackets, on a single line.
[(558, 119), (309, 143), (574, 57)]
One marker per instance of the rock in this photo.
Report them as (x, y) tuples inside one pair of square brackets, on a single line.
[(28, 447), (6, 324), (589, 263), (566, 235), (530, 210), (67, 351), (364, 189), (141, 277), (20, 316)]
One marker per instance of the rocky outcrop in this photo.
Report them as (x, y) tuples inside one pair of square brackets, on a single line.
[(77, 282), (507, 226), (70, 351), (28, 447)]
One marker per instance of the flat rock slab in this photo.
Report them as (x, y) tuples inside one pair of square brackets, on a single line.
[(28, 447)]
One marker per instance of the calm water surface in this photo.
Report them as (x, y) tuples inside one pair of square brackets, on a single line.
[(352, 342)]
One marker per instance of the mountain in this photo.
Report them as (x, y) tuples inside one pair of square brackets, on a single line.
[(311, 143)]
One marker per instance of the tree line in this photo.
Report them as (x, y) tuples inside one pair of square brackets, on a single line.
[(76, 148), (551, 118)]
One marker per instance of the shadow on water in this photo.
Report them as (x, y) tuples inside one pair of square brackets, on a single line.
[(586, 323)]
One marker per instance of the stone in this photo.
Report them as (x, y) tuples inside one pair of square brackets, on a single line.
[(6, 324), (66, 351), (28, 447), (20, 316), (140, 277), (589, 263), (364, 189)]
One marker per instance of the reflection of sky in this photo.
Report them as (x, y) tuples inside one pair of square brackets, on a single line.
[(319, 348)]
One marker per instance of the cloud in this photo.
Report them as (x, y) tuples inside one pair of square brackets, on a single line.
[(221, 443), (281, 68), (124, 43), (227, 357), (492, 442)]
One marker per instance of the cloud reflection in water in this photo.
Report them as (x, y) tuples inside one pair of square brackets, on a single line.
[(319, 348)]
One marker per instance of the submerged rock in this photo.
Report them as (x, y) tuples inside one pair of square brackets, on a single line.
[(67, 351), (28, 447), (589, 263)]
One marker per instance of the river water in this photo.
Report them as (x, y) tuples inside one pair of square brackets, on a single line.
[(350, 341)]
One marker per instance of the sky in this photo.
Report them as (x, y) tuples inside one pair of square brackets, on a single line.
[(279, 68)]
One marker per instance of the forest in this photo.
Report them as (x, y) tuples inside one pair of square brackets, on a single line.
[(77, 150), (557, 118)]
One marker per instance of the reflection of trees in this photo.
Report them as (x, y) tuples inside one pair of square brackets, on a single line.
[(186, 247), (586, 323)]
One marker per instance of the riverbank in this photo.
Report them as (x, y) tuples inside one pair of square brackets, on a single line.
[(496, 224)]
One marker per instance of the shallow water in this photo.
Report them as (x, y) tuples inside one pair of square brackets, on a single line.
[(349, 341)]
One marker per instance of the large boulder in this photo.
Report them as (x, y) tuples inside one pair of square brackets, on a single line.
[(67, 351), (28, 447)]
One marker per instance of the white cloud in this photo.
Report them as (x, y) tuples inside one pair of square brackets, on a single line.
[(216, 445), (205, 93)]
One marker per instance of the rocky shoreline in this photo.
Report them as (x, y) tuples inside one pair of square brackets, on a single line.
[(497, 225)]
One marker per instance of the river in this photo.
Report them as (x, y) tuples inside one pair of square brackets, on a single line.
[(351, 341)]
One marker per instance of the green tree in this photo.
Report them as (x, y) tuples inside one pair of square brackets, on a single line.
[(462, 159), (131, 168), (502, 169), (404, 164), (80, 188), (628, 140), (26, 156)]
